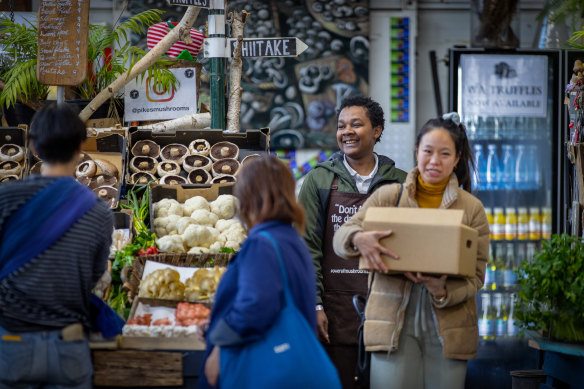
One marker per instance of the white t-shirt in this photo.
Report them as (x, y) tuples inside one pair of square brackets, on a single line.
[(362, 182)]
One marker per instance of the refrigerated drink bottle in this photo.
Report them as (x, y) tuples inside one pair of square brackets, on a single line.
[(490, 270), (493, 168), (501, 314), (498, 224), (490, 220), (480, 175), (522, 223), (508, 167), (534, 176), (510, 223), (512, 329), (534, 223), (500, 255), (487, 318), (510, 272), (546, 223), (522, 168)]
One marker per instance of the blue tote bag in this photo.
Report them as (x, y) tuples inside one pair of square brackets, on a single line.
[(288, 356)]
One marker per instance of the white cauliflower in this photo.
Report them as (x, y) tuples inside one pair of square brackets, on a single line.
[(232, 245), (225, 224), (196, 235), (171, 244), (194, 203), (215, 247), (198, 250), (166, 225), (204, 217), (224, 206), (167, 207), (183, 223)]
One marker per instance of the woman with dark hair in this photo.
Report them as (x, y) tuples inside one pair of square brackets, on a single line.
[(55, 236), (433, 319), (249, 296)]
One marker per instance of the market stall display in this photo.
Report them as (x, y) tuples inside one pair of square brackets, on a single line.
[(12, 152)]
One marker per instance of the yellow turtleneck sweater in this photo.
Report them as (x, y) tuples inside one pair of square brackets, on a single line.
[(430, 195)]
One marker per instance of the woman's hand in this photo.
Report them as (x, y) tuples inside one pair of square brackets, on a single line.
[(435, 285), (322, 325), (212, 367), (367, 242)]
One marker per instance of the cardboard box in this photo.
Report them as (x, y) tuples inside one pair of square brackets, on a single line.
[(426, 240)]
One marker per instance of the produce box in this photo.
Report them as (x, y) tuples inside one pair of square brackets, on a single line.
[(110, 147), (249, 142), (426, 240), (15, 136)]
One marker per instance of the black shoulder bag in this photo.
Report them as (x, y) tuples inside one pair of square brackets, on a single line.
[(359, 302)]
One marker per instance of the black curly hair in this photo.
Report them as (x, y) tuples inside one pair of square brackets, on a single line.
[(372, 107)]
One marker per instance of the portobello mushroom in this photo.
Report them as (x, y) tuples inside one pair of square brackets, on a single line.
[(143, 164), (200, 147), (199, 176), (223, 178), (9, 178), (174, 152), (11, 152), (37, 168), (222, 150), (103, 180), (84, 157), (192, 162), (86, 169), (106, 167), (142, 178), (166, 168), (107, 194), (248, 159), (83, 180), (146, 148), (225, 166), (10, 168), (173, 180)]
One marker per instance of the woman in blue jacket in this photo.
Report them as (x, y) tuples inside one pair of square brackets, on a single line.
[(249, 296)]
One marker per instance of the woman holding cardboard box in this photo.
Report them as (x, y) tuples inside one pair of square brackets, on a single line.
[(414, 320)]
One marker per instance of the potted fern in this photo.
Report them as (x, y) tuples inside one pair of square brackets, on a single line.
[(20, 41), (551, 290)]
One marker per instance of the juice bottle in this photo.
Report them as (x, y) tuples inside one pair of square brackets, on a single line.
[(522, 223), (490, 220), (501, 314), (487, 318), (546, 223), (534, 224), (490, 271), (510, 223), (499, 224)]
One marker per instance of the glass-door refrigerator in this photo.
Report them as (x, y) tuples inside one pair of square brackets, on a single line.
[(509, 101)]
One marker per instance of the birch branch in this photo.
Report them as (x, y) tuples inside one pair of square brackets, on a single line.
[(181, 32), (234, 104), (198, 121)]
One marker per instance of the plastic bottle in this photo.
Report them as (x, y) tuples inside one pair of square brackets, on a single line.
[(487, 318), (490, 220), (522, 223), (493, 168), (512, 329), (501, 314), (499, 224), (510, 272), (530, 251), (522, 168), (546, 223), (490, 271), (508, 168), (534, 223), (500, 255), (479, 178), (534, 173), (510, 223)]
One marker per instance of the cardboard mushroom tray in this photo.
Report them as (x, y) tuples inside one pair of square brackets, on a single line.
[(249, 142), (13, 136)]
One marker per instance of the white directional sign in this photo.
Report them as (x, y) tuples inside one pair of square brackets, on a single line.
[(268, 47), (190, 3)]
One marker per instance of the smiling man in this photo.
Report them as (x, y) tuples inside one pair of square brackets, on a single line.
[(331, 193)]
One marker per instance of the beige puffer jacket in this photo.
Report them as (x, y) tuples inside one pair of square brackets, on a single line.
[(457, 315)]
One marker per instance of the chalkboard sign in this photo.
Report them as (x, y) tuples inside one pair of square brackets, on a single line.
[(62, 41)]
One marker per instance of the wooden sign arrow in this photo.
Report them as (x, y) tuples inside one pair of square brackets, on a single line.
[(190, 3), (268, 47)]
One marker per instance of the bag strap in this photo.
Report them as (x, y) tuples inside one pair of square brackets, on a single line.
[(287, 293)]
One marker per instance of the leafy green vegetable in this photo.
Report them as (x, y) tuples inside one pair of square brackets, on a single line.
[(551, 289)]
